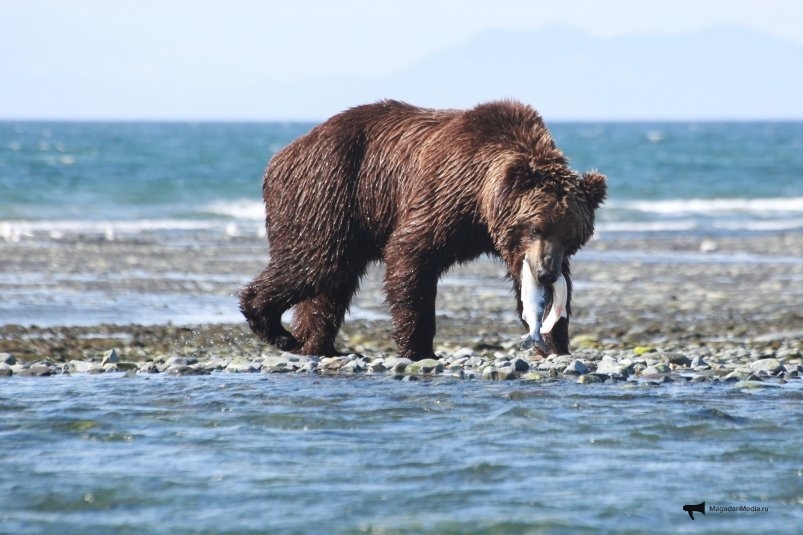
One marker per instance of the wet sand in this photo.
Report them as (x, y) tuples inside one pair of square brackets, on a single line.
[(740, 300)]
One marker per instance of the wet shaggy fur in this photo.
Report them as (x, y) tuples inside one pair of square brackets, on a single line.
[(420, 189)]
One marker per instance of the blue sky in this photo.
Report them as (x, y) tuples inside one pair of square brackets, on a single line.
[(68, 59)]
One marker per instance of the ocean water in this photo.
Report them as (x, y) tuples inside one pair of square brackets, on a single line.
[(250, 453), (699, 178)]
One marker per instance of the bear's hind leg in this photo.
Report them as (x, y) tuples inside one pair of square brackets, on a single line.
[(317, 320), (263, 302)]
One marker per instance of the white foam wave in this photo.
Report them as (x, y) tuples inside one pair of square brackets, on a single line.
[(757, 207), (688, 225), (240, 209)]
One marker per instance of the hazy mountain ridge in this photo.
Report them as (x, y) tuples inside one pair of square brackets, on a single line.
[(718, 73)]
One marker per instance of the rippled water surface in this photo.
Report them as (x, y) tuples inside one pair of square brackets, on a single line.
[(276, 454)]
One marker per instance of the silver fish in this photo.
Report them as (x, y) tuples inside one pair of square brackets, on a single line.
[(533, 300), (558, 308)]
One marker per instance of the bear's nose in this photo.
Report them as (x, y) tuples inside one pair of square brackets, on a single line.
[(547, 276)]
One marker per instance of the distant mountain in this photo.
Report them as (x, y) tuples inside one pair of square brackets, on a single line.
[(718, 73)]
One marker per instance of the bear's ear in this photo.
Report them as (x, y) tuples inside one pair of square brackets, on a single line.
[(596, 188)]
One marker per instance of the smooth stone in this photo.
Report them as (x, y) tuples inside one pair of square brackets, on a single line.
[(426, 366), (655, 369), (331, 364), (520, 365), (755, 384), (37, 369), (654, 378), (699, 363), (279, 367), (127, 366), (399, 364), (7, 358), (180, 361), (5, 370), (770, 366), (611, 367), (377, 368), (177, 369), (241, 365), (642, 350), (110, 356), (80, 366), (490, 373), (678, 359), (590, 378), (463, 352), (576, 367), (475, 362), (532, 376), (354, 366)]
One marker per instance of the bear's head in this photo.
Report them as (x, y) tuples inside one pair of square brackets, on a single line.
[(543, 210)]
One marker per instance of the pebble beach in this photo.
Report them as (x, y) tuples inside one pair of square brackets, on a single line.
[(646, 310)]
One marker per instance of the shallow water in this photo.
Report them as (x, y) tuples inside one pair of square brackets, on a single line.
[(278, 454)]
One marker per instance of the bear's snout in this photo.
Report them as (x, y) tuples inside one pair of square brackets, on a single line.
[(546, 259), (547, 276)]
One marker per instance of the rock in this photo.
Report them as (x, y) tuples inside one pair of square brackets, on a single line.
[(278, 367), (654, 378), (520, 365), (398, 364), (475, 362), (770, 366), (110, 357), (353, 366), (426, 366), (180, 361), (611, 367), (699, 364), (38, 369), (532, 376), (590, 378), (82, 366), (331, 364), (148, 367), (5, 370), (178, 369), (656, 369), (678, 359), (463, 352), (576, 367), (7, 358), (241, 365), (641, 350), (377, 366)]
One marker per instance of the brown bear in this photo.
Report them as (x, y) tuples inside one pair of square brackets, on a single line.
[(421, 189)]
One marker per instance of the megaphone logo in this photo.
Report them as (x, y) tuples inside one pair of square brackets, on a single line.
[(691, 509)]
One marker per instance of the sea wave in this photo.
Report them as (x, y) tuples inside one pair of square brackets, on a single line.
[(669, 207), (15, 230), (247, 209)]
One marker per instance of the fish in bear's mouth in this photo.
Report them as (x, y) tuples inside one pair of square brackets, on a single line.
[(534, 297)]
